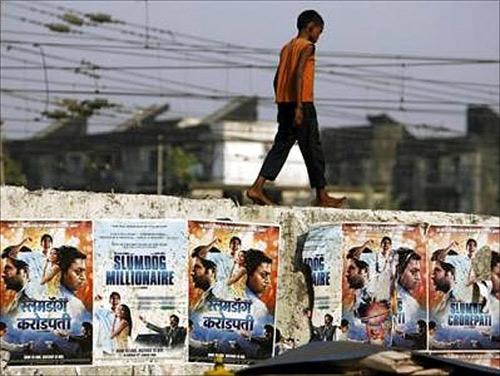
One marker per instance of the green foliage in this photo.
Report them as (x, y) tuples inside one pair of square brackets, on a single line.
[(75, 108), (13, 172), (98, 103), (99, 17), (72, 19), (55, 114), (179, 170), (58, 27)]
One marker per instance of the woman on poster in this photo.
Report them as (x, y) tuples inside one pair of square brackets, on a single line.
[(122, 327)]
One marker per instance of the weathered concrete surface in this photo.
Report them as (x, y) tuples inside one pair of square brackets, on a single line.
[(18, 203)]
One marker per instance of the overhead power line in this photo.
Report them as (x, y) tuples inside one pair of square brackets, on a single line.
[(257, 50), (210, 54), (375, 84)]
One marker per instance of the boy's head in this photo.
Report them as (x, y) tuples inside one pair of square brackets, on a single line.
[(312, 23)]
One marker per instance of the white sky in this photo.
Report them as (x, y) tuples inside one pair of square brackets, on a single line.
[(423, 28)]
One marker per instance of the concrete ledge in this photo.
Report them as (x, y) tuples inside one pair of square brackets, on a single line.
[(19, 203)]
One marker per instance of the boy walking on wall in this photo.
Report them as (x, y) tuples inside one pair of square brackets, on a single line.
[(293, 88)]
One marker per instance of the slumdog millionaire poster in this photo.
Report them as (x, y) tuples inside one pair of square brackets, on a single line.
[(140, 291)]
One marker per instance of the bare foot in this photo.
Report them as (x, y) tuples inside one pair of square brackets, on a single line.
[(330, 202), (258, 197)]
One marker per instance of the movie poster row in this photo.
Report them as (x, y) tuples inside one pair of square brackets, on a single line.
[(112, 292), (434, 288)]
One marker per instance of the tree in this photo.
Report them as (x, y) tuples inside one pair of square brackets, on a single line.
[(179, 169), (13, 171)]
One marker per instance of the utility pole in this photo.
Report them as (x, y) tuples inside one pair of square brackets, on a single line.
[(159, 166), (2, 159)]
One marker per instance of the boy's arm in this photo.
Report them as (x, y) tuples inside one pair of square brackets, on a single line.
[(304, 55), (275, 82)]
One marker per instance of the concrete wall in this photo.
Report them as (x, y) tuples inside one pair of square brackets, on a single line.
[(18, 203)]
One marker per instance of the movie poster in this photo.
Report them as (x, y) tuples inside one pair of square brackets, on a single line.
[(464, 287), (322, 253), (46, 290), (232, 290), (141, 296), (384, 284)]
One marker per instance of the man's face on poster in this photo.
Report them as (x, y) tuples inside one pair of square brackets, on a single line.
[(356, 278), (85, 331), (199, 274), (328, 320), (410, 279), (234, 246), (440, 278), (375, 323), (75, 277), (386, 245), (471, 248), (14, 279), (114, 301), (174, 322), (260, 279), (46, 243)]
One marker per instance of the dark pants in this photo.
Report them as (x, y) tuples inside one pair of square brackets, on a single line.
[(307, 136)]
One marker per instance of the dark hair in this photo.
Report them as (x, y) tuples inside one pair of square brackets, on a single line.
[(254, 258), (278, 336), (235, 238), (207, 264), (438, 254), (354, 250), (46, 236), (308, 16), (405, 255), (344, 322), (268, 328), (471, 241), (386, 238), (190, 323), (114, 293), (9, 249), (361, 265), (67, 255), (447, 267), (18, 264), (175, 317), (3, 326), (421, 324), (87, 326), (432, 325), (495, 259), (330, 316), (127, 317)]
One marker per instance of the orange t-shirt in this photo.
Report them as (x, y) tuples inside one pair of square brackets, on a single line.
[(286, 90)]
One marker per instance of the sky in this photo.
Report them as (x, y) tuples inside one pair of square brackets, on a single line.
[(346, 89)]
